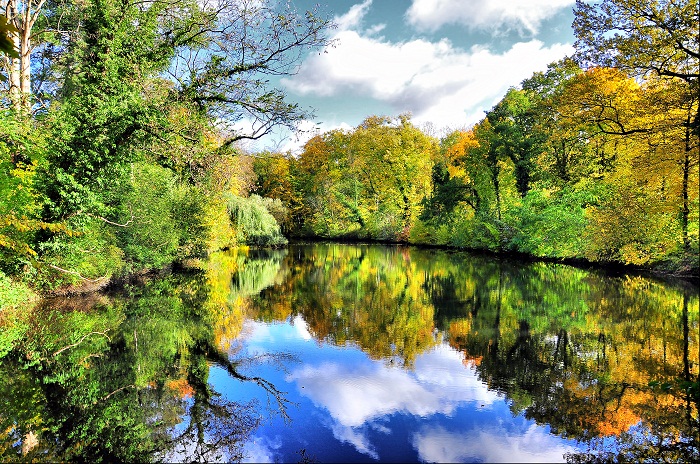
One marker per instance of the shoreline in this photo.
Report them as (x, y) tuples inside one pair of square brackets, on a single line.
[(611, 268)]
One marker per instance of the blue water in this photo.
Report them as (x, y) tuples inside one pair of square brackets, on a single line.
[(350, 408)]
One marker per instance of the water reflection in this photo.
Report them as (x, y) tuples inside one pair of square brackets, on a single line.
[(357, 353), (125, 377), (607, 363)]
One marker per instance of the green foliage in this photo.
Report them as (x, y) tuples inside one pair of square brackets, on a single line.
[(110, 378), (254, 224), (13, 295), (367, 183), (632, 226), (18, 203), (89, 256), (161, 220), (550, 225)]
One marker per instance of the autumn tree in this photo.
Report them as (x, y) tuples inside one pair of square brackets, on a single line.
[(394, 159), (660, 42), (453, 178), (567, 151)]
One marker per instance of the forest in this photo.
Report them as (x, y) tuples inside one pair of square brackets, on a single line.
[(120, 150)]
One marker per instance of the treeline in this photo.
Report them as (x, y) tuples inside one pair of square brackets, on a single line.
[(119, 125), (595, 158), (117, 142), (571, 164)]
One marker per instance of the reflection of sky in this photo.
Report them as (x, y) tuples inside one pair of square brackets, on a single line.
[(439, 383), (353, 408), (491, 444)]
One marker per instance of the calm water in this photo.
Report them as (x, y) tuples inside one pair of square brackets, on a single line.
[(327, 353)]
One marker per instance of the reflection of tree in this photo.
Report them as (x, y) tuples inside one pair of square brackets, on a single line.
[(570, 348), (365, 295), (590, 355), (125, 380), (234, 277), (591, 377), (126, 377)]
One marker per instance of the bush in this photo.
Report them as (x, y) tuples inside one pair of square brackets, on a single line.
[(14, 294), (162, 220), (549, 225)]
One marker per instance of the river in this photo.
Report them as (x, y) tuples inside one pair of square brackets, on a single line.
[(356, 353)]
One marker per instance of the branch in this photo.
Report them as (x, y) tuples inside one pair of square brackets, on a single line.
[(81, 341), (77, 274), (116, 391)]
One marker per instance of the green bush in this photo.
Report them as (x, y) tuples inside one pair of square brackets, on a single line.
[(14, 294), (549, 225), (161, 220), (88, 254)]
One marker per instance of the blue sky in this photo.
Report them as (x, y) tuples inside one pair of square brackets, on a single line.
[(444, 61)]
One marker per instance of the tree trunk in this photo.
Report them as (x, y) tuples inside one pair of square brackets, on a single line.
[(22, 15), (25, 63), (14, 70), (685, 212)]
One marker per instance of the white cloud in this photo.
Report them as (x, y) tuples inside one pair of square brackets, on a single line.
[(301, 327), (353, 18), (491, 444), (435, 81), (438, 384), (492, 15)]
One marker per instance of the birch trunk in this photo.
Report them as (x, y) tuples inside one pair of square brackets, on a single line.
[(23, 15)]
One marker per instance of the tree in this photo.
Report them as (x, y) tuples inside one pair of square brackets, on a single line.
[(393, 159), (641, 37), (20, 16), (274, 181), (230, 54), (515, 135), (566, 152), (453, 178), (659, 41)]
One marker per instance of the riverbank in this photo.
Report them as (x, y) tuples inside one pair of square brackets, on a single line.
[(660, 270), (14, 293)]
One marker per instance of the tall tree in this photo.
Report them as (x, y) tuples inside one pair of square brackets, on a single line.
[(516, 136), (660, 40), (22, 15)]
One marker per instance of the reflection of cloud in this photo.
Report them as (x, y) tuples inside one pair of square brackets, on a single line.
[(489, 445), (358, 395), (355, 395), (302, 328), (261, 449), (356, 438)]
